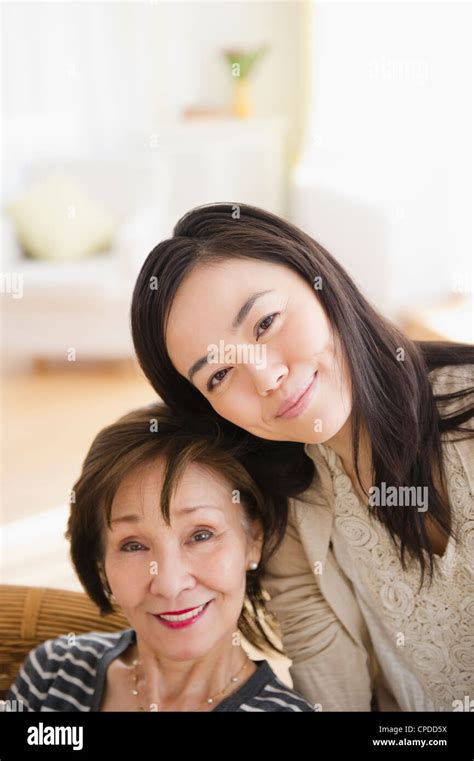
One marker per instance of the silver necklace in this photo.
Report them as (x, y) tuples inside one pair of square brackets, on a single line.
[(208, 701)]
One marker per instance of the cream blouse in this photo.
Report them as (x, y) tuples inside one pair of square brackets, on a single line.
[(423, 638)]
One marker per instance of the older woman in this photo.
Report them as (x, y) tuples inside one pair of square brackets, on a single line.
[(168, 523)]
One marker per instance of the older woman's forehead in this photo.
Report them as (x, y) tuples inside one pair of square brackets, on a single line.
[(198, 485)]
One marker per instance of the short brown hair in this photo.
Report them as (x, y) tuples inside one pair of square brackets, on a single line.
[(140, 437)]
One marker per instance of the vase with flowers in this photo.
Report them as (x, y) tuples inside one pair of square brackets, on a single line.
[(242, 63)]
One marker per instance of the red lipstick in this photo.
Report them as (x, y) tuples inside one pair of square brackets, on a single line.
[(184, 623)]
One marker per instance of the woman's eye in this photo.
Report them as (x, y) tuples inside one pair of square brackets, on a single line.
[(267, 322), (131, 547), (210, 385), (206, 534)]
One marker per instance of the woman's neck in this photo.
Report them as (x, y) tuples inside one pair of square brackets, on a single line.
[(174, 685), (341, 444)]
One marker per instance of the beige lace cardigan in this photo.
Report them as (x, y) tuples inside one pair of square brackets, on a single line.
[(324, 632)]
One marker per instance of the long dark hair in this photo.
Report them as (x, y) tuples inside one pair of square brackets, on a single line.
[(392, 398)]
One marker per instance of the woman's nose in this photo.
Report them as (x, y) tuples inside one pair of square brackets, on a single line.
[(268, 378), (170, 575)]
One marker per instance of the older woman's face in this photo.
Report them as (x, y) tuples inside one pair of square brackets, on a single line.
[(199, 560), (275, 341)]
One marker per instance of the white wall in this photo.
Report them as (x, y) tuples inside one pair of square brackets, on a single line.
[(97, 78), (386, 179)]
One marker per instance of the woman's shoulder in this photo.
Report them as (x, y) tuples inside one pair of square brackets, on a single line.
[(64, 669), (89, 647), (265, 692), (452, 378), (453, 389)]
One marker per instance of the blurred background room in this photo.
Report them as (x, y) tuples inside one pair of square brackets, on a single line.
[(352, 120)]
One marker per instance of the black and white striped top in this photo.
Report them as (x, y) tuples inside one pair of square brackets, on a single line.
[(62, 676)]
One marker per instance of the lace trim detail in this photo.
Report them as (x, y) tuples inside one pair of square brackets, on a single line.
[(437, 621)]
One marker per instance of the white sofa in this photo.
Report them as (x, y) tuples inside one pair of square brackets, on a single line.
[(82, 304)]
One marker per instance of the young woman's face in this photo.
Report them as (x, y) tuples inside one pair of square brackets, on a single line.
[(201, 559), (289, 328)]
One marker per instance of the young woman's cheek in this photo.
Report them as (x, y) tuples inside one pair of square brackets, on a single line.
[(240, 403)]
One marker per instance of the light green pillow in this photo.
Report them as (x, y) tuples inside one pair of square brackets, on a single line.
[(56, 220)]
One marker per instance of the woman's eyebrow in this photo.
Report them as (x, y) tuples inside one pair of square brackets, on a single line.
[(132, 518), (193, 508), (238, 320), (126, 519)]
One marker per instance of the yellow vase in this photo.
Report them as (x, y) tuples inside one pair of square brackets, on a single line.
[(242, 107)]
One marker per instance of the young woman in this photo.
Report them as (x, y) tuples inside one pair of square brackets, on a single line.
[(370, 434), (186, 577)]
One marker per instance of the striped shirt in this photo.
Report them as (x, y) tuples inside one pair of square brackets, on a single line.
[(59, 675)]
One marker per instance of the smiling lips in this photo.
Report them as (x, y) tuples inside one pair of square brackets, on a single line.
[(180, 619), (297, 403)]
